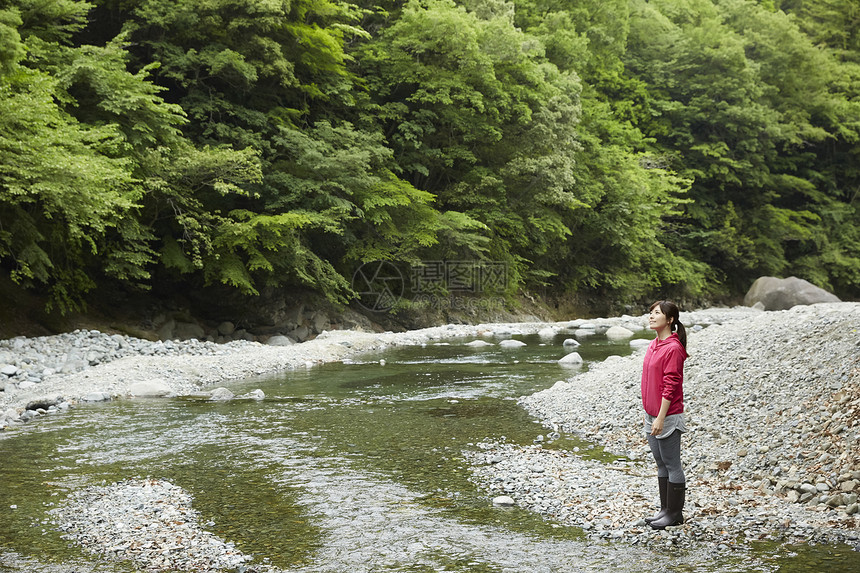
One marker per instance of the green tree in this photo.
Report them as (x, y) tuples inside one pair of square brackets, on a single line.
[(739, 95), (477, 116), (833, 256), (64, 186), (624, 244), (88, 151), (273, 77)]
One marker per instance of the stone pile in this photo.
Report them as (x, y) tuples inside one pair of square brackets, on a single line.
[(773, 412), (26, 364), (148, 522), (24, 360)]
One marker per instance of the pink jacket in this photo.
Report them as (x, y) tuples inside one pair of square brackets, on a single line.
[(663, 375)]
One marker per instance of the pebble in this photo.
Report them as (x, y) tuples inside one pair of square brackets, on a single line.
[(54, 366)]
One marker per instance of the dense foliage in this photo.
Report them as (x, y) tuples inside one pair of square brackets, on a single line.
[(617, 147)]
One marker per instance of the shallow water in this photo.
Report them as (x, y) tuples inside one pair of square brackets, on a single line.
[(344, 467)]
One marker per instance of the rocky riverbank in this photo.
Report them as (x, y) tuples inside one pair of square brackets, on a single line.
[(47, 374), (772, 452), (773, 403)]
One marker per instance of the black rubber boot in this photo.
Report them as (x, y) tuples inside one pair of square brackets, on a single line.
[(674, 504), (663, 484)]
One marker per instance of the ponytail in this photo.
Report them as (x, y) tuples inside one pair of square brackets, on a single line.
[(682, 332)]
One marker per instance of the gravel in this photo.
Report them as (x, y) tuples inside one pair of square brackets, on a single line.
[(773, 411), (148, 522)]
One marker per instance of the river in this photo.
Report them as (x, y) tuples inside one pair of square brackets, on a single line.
[(351, 466)]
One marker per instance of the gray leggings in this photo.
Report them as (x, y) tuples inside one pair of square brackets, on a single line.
[(667, 454)]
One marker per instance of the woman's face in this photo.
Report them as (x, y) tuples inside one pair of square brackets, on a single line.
[(657, 320)]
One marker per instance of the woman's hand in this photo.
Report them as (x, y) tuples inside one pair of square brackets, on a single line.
[(657, 424)]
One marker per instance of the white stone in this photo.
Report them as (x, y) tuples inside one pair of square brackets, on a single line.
[(618, 333), (479, 343), (511, 343), (221, 394), (547, 332), (572, 358), (570, 342), (503, 501), (254, 395), (9, 370), (154, 388)]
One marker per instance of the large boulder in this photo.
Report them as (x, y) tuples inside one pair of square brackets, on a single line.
[(188, 330), (320, 322), (279, 340), (301, 333), (226, 328), (165, 331), (772, 293)]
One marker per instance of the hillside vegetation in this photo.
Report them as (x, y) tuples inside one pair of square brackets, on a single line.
[(613, 148)]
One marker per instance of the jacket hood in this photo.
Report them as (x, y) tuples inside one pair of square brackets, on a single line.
[(671, 340)]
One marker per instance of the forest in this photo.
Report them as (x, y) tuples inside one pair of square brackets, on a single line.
[(612, 147)]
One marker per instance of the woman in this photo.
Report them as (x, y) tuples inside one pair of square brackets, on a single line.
[(663, 400)]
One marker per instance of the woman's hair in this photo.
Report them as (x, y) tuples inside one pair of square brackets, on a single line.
[(670, 309)]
